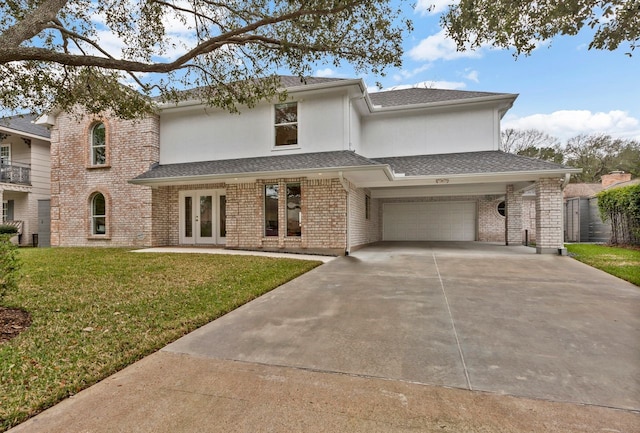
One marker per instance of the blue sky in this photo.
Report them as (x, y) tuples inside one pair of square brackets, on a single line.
[(565, 89)]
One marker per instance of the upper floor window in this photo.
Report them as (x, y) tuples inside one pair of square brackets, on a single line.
[(286, 124), (98, 145), (98, 215), (5, 154)]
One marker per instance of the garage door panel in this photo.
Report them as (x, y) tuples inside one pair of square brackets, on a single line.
[(429, 221)]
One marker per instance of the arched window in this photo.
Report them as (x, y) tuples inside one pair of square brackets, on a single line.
[(502, 208), (98, 215), (98, 145)]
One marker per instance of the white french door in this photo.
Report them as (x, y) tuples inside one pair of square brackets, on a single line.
[(203, 217)]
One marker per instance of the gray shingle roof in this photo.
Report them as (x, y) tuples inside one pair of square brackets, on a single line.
[(419, 165), (264, 164), (294, 81), (412, 96), (466, 163), (24, 123)]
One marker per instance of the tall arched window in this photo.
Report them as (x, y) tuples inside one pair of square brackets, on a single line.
[(98, 145), (98, 215)]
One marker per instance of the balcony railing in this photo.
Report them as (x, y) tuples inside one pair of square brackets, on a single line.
[(15, 173)]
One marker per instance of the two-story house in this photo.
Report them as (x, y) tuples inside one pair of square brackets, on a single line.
[(25, 178), (330, 170)]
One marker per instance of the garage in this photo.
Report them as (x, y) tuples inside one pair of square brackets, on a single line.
[(429, 221)]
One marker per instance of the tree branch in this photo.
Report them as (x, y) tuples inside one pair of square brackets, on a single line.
[(32, 24)]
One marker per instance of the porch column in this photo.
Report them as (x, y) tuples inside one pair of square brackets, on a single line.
[(549, 230), (513, 203), (1, 198)]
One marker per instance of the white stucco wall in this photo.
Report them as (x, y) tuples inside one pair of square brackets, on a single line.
[(189, 135), (432, 132)]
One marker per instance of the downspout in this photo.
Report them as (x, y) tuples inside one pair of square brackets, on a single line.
[(344, 184), (565, 182)]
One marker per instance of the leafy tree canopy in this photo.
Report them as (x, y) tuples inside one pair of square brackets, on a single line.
[(595, 154), (522, 24), (78, 52)]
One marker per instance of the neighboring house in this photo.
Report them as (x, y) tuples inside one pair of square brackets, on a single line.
[(25, 186), (332, 169), (582, 222)]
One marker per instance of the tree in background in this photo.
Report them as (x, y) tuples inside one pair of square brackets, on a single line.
[(601, 154), (596, 154), (522, 25), (67, 52)]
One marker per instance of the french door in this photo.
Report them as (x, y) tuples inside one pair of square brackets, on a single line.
[(203, 217)]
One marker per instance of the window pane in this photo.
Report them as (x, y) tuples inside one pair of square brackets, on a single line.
[(294, 227), (271, 210), (99, 205), (188, 217), (286, 135), (286, 113), (99, 155), (286, 124), (98, 145), (223, 216), (98, 215), (206, 216), (99, 225)]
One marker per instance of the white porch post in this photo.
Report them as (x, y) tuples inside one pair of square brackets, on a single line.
[(514, 204), (549, 230)]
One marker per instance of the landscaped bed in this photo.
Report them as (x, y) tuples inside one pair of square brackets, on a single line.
[(622, 262), (95, 311)]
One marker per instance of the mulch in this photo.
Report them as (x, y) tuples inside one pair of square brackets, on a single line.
[(13, 321)]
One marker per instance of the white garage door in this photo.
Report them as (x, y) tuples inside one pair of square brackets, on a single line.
[(429, 221)]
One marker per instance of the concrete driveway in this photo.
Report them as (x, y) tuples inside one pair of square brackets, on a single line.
[(464, 315), (392, 339)]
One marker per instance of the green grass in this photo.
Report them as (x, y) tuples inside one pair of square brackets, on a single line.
[(622, 262), (96, 311)]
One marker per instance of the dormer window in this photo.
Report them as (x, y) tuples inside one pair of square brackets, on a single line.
[(98, 145), (286, 124)]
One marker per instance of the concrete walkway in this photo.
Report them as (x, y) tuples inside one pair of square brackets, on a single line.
[(397, 337)]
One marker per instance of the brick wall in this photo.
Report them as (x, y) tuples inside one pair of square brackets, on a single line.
[(513, 210), (549, 226), (132, 146)]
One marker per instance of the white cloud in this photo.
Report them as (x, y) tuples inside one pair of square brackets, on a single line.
[(326, 73), (565, 124), (472, 75), (406, 74), (440, 47), (432, 7)]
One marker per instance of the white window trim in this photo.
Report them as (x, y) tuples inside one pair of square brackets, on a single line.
[(93, 146), (273, 131)]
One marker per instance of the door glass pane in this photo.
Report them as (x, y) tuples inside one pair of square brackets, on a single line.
[(294, 228), (188, 217), (206, 216), (223, 216), (271, 210)]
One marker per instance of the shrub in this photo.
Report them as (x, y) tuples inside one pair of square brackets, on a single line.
[(621, 206), (8, 230), (9, 264)]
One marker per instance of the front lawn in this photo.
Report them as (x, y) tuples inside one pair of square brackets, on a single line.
[(95, 311), (622, 262)]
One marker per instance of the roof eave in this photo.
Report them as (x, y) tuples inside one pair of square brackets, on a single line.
[(238, 177), (24, 134), (509, 98)]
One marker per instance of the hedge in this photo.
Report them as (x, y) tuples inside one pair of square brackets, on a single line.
[(621, 206)]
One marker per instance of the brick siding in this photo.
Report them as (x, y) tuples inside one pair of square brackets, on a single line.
[(549, 227), (132, 146)]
